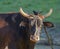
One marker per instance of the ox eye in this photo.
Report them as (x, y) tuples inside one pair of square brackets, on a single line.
[(22, 24)]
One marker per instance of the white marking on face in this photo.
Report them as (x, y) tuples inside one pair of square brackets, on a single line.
[(38, 23)]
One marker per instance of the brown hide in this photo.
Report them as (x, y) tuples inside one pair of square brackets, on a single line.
[(9, 32), (3, 23)]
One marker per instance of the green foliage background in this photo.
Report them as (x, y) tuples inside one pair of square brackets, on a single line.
[(30, 5)]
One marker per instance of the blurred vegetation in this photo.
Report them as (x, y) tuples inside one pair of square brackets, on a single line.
[(30, 5)]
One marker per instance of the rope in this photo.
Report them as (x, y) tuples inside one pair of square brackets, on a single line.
[(49, 38)]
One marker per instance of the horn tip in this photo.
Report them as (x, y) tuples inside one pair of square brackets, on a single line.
[(51, 9), (20, 8)]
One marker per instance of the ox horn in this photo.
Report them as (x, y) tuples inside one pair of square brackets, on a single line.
[(49, 13), (24, 14)]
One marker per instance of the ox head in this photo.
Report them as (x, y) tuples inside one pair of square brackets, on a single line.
[(35, 23)]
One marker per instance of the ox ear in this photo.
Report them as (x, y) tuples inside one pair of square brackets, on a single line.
[(48, 24)]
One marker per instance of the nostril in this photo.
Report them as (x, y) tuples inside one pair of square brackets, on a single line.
[(37, 37), (34, 38)]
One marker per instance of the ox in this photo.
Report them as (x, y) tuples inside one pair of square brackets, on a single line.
[(21, 30)]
